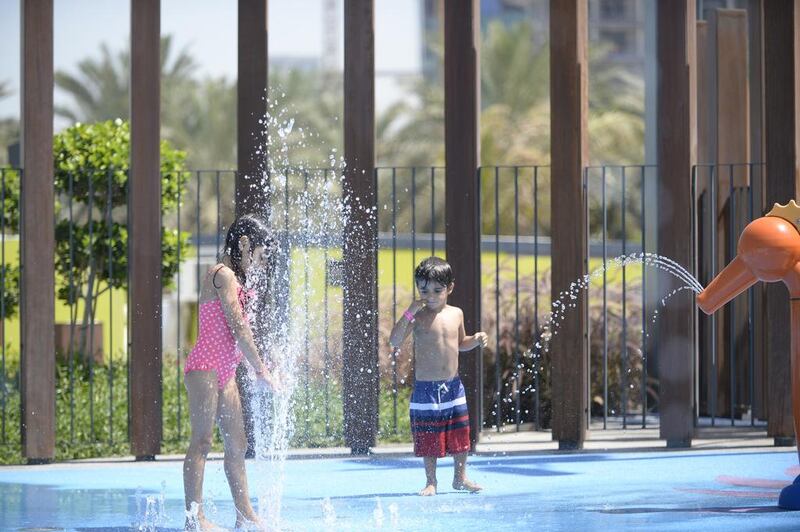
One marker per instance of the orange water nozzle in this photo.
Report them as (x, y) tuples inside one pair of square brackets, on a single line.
[(768, 250)]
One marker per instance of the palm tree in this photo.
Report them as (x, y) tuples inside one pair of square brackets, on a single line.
[(5, 89), (515, 118), (100, 89), (9, 127)]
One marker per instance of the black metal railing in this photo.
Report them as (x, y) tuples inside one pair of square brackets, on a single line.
[(10, 179), (515, 250), (623, 376), (732, 376), (410, 228), (92, 228)]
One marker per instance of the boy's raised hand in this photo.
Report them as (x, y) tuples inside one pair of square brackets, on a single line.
[(416, 306)]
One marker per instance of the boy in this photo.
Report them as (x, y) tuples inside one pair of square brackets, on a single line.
[(439, 417)]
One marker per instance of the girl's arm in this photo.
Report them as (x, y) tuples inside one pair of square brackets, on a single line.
[(404, 325), (226, 286)]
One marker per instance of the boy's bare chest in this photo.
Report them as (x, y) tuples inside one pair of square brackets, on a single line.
[(436, 328)]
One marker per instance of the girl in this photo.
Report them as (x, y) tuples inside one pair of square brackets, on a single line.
[(223, 338)]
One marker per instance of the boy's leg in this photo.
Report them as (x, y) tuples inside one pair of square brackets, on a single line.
[(460, 480), (430, 476)]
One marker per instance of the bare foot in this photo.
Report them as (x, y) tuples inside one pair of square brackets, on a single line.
[(201, 524), (249, 524), (429, 490), (466, 485)]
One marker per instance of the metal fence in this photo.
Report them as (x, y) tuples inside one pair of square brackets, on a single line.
[(622, 368), (411, 227), (731, 361), (91, 277), (10, 179)]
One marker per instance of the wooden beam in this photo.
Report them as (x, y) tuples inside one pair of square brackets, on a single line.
[(37, 238), (251, 94), (144, 219), (731, 95), (462, 198), (756, 72), (704, 130), (781, 98), (730, 108), (252, 195), (360, 371), (677, 145), (568, 153), (704, 219)]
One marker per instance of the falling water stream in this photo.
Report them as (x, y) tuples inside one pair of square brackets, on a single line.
[(568, 299)]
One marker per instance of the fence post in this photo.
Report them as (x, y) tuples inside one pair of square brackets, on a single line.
[(37, 235), (252, 194), (462, 184), (144, 222), (360, 358), (781, 91), (677, 135), (251, 108), (729, 143), (568, 153)]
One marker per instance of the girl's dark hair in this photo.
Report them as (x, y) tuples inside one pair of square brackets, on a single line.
[(256, 232), (434, 269)]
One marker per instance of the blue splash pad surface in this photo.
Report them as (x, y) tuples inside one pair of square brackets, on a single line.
[(583, 491)]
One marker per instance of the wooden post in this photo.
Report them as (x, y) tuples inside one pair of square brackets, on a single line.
[(251, 93), (703, 101), (569, 148), (781, 84), (677, 144), (729, 102), (144, 222), (360, 372), (37, 375), (462, 186), (756, 72), (703, 205), (252, 194)]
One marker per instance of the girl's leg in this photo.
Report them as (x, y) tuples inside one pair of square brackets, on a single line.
[(201, 387), (231, 426)]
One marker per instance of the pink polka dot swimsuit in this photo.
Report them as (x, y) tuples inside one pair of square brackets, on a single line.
[(216, 348)]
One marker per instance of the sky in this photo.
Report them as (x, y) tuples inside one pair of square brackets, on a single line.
[(207, 28)]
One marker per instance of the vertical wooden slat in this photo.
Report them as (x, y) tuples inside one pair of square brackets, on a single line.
[(252, 195), (703, 101), (462, 186), (251, 94), (703, 204), (728, 28), (723, 139), (756, 72), (781, 56), (37, 379), (569, 149), (360, 371), (677, 145), (144, 219)]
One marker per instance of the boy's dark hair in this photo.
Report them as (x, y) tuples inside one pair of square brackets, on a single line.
[(434, 269)]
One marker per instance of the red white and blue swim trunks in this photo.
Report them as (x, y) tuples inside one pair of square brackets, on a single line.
[(439, 418)]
